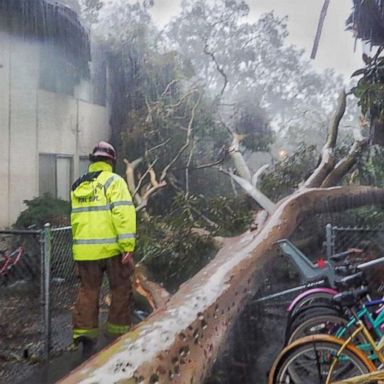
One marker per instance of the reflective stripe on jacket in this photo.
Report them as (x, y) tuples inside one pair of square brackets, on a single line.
[(103, 217)]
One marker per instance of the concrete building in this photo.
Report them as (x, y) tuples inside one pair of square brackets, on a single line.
[(53, 106)]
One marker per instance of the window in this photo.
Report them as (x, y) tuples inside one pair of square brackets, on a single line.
[(56, 72), (55, 175)]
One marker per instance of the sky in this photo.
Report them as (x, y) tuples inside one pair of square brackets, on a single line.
[(337, 48)]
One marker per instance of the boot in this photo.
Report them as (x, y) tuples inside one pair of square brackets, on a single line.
[(89, 346)]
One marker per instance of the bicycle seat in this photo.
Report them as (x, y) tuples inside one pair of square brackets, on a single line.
[(350, 281), (307, 269), (350, 298)]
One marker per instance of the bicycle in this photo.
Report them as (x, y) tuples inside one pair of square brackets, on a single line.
[(314, 314), (8, 260), (324, 272), (323, 359)]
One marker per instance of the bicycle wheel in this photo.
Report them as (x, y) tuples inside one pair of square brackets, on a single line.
[(325, 298), (309, 312), (323, 324), (312, 360)]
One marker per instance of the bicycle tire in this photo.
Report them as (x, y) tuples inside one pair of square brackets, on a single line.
[(323, 324), (308, 361), (325, 298), (310, 312)]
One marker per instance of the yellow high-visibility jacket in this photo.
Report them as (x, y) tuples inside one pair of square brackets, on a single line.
[(103, 217)]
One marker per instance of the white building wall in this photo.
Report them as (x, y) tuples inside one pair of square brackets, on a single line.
[(39, 122), (56, 123), (4, 128), (24, 69), (93, 126)]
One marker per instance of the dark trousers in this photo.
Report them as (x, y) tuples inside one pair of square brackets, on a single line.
[(86, 310)]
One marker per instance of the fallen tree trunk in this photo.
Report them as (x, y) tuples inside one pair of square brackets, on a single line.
[(364, 379), (181, 340)]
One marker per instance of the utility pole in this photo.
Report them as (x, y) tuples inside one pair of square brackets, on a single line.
[(319, 28)]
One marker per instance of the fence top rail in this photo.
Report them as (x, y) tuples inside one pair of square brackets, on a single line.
[(20, 232), (61, 229), (359, 229)]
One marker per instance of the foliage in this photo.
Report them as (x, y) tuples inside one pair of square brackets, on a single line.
[(366, 21), (369, 169), (238, 61), (42, 210), (289, 172), (252, 122), (172, 254), (233, 215), (90, 9), (370, 87), (170, 247)]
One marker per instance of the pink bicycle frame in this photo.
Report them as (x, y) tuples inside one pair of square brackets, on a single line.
[(309, 292)]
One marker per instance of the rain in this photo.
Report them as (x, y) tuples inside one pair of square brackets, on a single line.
[(192, 191)]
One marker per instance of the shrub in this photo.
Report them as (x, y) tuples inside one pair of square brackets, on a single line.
[(42, 210)]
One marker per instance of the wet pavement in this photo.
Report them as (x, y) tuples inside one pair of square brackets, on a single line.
[(60, 366)]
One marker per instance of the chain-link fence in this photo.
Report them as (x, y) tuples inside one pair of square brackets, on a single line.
[(370, 240), (63, 287), (366, 238), (38, 292)]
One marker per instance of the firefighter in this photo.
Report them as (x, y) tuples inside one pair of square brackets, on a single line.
[(103, 222)]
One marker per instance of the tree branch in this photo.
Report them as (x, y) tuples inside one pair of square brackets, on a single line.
[(258, 174), (345, 164), (130, 177), (144, 176), (257, 195), (158, 145), (210, 165), (238, 159), (169, 85), (328, 157), (187, 168), (333, 128), (185, 146), (218, 67)]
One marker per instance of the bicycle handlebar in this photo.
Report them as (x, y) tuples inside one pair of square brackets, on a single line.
[(350, 298)]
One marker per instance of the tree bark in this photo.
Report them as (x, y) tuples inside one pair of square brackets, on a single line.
[(364, 379), (344, 165), (328, 157), (238, 159)]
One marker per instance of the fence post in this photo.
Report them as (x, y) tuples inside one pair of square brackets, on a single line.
[(329, 240), (46, 281)]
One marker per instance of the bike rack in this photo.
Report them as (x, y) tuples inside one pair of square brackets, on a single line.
[(308, 271)]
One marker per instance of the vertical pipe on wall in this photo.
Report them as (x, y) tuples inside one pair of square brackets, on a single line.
[(76, 160), (45, 287), (9, 125), (37, 151)]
